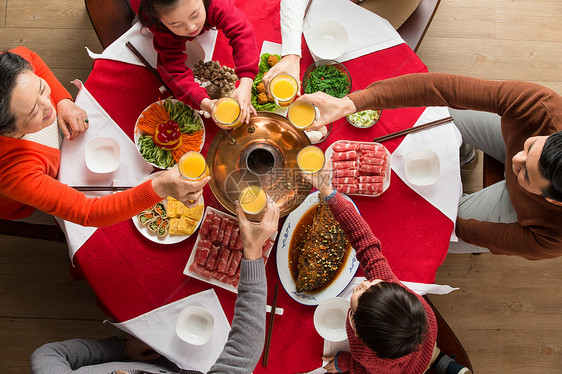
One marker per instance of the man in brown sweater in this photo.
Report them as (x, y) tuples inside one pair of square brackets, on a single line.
[(520, 216)]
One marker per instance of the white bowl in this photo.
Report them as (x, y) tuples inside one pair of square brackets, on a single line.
[(421, 167), (330, 318), (327, 39), (102, 155), (195, 325)]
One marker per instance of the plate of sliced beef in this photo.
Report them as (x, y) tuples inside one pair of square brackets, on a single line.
[(359, 168), (217, 252)]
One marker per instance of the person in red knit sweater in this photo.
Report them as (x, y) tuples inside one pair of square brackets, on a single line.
[(174, 22), (30, 97), (391, 330)]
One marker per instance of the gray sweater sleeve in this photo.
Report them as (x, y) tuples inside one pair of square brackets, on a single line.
[(67, 356), (247, 335)]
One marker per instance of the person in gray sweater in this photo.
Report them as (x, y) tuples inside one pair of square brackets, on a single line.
[(131, 356)]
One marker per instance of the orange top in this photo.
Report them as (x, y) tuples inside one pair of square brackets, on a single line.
[(29, 169)]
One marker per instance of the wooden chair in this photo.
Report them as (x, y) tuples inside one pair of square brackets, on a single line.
[(110, 19), (30, 230), (493, 171), (447, 340), (415, 27)]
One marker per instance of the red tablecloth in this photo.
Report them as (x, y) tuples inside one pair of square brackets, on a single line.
[(131, 275)]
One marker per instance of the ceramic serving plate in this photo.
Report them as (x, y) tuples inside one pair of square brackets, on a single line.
[(309, 298)]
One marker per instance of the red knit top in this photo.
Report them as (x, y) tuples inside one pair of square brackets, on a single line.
[(368, 251), (223, 15), (28, 171)]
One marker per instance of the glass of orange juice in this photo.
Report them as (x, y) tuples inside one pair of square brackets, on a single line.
[(253, 200), (311, 159), (283, 88), (302, 114), (192, 166), (226, 112)]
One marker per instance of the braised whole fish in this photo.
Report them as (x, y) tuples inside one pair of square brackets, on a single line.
[(322, 251)]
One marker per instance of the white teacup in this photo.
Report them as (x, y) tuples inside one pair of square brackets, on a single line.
[(195, 325)]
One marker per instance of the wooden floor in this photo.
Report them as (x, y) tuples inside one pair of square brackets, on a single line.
[(507, 312)]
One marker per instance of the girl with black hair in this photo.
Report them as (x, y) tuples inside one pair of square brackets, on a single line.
[(174, 22)]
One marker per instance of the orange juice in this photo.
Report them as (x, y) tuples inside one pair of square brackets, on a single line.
[(226, 112), (252, 200), (302, 114), (283, 88), (310, 159), (192, 166)]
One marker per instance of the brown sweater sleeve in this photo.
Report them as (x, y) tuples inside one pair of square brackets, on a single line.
[(508, 239)]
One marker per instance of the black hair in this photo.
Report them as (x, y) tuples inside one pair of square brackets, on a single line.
[(390, 320), (550, 166), (11, 66), (149, 10)]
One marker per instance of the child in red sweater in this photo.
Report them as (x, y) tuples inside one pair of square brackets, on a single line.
[(390, 329), (174, 22)]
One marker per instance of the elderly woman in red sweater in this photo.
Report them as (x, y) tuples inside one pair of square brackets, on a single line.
[(30, 97)]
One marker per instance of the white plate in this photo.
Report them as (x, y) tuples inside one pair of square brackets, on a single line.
[(330, 318), (138, 133), (309, 298), (386, 182), (191, 259), (168, 239)]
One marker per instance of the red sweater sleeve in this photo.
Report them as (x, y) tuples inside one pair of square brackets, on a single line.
[(26, 177), (365, 243), (58, 92)]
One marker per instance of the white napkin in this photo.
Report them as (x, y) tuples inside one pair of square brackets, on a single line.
[(444, 140), (73, 171), (201, 48), (419, 288), (367, 31), (157, 328)]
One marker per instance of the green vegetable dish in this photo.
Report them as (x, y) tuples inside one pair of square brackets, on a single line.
[(365, 118), (186, 121), (327, 79), (260, 101)]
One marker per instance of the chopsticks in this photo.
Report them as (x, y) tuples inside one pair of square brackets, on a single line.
[(270, 327), (101, 188), (146, 63), (412, 129)]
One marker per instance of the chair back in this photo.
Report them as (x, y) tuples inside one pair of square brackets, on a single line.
[(110, 19), (414, 28)]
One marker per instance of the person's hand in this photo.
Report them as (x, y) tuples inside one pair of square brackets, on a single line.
[(331, 108), (290, 64), (320, 180), (139, 351), (72, 119), (254, 234), (244, 96), (171, 183), (330, 366), (207, 105)]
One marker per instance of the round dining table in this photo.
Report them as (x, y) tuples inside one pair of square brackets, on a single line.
[(132, 275)]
